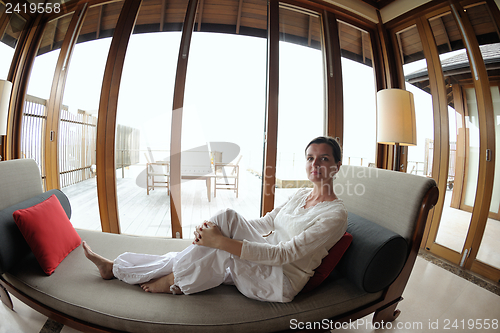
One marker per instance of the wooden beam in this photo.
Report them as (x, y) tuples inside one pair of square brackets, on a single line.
[(486, 134), (400, 48), (271, 125), (176, 131), (99, 18), (200, 14), (50, 143), (378, 62), (388, 47), (441, 151), (53, 36), (309, 31), (334, 88), (162, 15), (495, 25), (106, 121), (458, 180), (440, 19), (392, 66), (19, 74), (4, 22), (494, 14), (363, 45), (238, 18)]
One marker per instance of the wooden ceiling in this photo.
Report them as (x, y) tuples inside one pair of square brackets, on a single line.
[(245, 17), (249, 17), (447, 35), (448, 38)]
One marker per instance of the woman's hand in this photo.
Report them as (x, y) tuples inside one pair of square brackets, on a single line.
[(197, 231), (208, 234)]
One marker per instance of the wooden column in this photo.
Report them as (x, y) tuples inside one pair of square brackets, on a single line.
[(333, 78), (4, 21), (50, 143), (391, 67), (106, 122), (176, 131), (271, 126), (441, 152), (19, 74), (458, 180), (486, 172)]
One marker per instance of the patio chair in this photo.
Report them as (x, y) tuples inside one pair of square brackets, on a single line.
[(159, 169), (227, 176)]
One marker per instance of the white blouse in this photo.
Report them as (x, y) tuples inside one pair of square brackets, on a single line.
[(300, 238)]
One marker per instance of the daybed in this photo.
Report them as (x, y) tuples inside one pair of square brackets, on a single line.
[(387, 215)]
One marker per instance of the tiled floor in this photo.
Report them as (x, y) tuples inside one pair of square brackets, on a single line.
[(435, 300)]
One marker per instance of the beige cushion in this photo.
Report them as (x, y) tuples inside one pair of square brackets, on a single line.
[(20, 181), (366, 192), (77, 289)]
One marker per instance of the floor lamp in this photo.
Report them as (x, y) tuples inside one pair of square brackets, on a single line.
[(396, 121), (5, 89)]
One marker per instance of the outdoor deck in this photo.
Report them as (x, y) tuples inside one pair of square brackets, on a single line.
[(149, 215)]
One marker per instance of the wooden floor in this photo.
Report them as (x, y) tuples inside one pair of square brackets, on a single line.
[(149, 215)]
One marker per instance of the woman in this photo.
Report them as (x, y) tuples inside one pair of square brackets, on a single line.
[(269, 259)]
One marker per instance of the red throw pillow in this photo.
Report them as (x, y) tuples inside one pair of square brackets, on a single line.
[(328, 263), (48, 232)]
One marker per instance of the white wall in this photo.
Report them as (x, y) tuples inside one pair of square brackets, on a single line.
[(388, 13), (358, 7), (399, 7)]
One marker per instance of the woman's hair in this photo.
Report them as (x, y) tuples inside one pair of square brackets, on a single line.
[(332, 142)]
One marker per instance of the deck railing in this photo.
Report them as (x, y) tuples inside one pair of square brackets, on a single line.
[(77, 145), (33, 129), (77, 141)]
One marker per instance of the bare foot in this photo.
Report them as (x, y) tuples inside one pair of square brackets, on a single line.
[(161, 285), (104, 265)]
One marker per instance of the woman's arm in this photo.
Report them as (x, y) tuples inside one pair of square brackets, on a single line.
[(208, 234), (324, 233), (265, 224)]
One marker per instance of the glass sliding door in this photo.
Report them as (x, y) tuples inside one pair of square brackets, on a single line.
[(490, 247), (455, 222), (487, 261), (462, 180), (142, 144), (38, 92), (463, 133), (78, 114), (301, 112), (461, 232), (223, 115), (419, 158), (358, 79)]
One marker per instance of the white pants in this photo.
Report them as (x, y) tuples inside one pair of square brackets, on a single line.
[(199, 268)]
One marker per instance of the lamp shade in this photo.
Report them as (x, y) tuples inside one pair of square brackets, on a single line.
[(5, 89), (396, 117)]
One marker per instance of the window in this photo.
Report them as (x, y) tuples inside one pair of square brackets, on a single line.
[(144, 119), (301, 102), (358, 79), (78, 114), (38, 93), (224, 110)]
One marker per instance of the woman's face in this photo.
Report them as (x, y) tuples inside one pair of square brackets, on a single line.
[(320, 163)]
